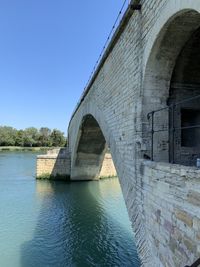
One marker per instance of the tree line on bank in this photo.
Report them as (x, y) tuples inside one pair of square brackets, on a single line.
[(31, 137)]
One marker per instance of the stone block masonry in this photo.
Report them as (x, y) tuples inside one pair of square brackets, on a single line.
[(108, 168), (139, 72), (56, 164), (171, 197)]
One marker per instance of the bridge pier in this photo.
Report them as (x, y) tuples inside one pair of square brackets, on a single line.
[(86, 167), (91, 148)]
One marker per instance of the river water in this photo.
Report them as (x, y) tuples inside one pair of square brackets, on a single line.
[(60, 224)]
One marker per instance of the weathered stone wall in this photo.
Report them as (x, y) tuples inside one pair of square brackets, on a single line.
[(171, 198), (167, 38), (185, 84), (56, 163), (49, 165), (115, 101), (108, 167), (133, 80)]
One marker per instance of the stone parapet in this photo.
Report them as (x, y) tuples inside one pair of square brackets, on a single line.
[(171, 195)]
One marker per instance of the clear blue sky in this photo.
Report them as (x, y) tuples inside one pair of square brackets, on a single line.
[(47, 51)]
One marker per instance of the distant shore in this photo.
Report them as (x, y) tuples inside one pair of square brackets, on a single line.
[(19, 148)]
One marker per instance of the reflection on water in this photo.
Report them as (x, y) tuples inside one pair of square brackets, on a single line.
[(44, 189), (61, 224)]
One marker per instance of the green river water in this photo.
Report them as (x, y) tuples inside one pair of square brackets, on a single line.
[(60, 224)]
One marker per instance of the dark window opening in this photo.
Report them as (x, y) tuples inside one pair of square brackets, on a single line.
[(190, 137)]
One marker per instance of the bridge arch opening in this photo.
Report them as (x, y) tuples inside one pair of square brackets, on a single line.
[(172, 75), (92, 158)]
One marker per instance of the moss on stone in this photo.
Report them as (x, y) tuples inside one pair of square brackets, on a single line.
[(107, 177), (58, 177)]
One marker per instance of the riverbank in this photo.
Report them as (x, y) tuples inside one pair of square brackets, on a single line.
[(24, 149)]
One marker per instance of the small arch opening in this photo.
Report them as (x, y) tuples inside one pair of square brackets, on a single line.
[(185, 85), (172, 75)]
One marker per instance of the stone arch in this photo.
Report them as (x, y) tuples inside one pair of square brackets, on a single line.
[(169, 11), (185, 84), (130, 192), (90, 110), (90, 150), (178, 25)]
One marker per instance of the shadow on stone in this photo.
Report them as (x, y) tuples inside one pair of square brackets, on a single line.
[(55, 165)]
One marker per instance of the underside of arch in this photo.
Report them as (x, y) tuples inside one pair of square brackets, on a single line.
[(90, 152)]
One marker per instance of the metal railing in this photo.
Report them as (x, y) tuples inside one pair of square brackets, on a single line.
[(171, 126), (195, 264), (127, 9)]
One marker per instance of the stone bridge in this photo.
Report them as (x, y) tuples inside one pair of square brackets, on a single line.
[(152, 61)]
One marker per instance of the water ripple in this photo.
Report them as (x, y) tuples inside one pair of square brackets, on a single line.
[(61, 224)]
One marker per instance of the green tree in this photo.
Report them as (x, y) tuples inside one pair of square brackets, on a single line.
[(19, 139), (44, 137), (57, 138), (7, 136), (31, 136)]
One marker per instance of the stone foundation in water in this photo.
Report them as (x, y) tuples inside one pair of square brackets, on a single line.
[(56, 165)]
